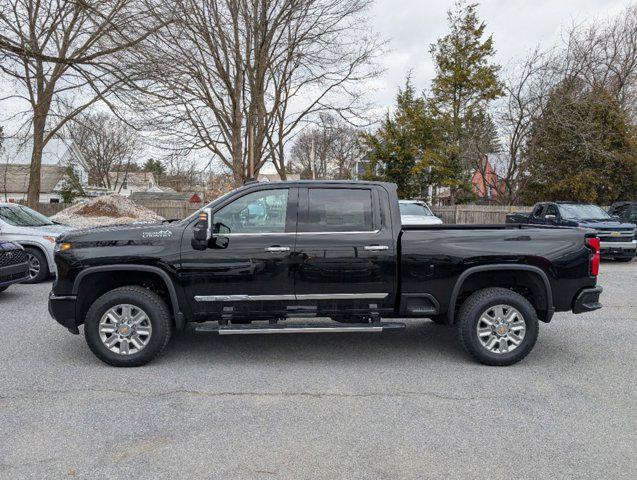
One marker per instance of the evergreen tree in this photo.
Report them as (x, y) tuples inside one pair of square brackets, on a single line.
[(398, 151), (582, 148), (154, 166), (464, 85)]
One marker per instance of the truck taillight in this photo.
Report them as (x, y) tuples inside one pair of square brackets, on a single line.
[(594, 245)]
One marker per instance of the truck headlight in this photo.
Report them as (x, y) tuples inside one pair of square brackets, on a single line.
[(63, 247)]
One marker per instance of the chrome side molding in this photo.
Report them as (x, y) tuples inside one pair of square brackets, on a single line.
[(310, 296)]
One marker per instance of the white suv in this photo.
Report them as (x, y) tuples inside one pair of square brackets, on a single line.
[(416, 212), (36, 233)]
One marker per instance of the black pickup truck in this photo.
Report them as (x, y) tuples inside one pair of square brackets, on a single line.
[(617, 237), (261, 257)]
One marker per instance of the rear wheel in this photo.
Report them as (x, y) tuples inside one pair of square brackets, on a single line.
[(498, 326), (128, 326), (38, 266)]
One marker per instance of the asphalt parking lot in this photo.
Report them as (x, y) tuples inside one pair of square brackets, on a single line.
[(364, 406)]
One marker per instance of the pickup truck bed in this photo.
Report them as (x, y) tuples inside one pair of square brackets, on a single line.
[(499, 253), (279, 250)]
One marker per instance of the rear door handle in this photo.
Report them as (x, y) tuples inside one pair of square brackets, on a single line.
[(376, 248), (277, 249)]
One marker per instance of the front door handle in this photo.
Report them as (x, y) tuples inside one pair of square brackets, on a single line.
[(376, 248), (277, 249)]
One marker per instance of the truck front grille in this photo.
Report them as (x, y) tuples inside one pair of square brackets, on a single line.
[(12, 257), (616, 239), (616, 235)]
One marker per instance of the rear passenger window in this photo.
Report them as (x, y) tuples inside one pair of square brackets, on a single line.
[(339, 210)]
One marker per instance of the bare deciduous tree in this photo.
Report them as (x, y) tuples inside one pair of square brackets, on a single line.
[(107, 148), (479, 140), (181, 173), (526, 87), (238, 77), (61, 55), (327, 151), (604, 54)]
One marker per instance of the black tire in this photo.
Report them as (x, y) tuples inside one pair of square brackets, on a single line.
[(476, 305), (624, 259), (158, 315), (43, 272)]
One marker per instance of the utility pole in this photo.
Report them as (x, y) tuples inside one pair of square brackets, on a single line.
[(312, 159)]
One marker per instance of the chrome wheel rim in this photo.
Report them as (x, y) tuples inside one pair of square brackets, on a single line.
[(34, 266), (501, 329), (125, 329)]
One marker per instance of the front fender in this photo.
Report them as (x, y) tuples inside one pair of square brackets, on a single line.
[(45, 247), (180, 320)]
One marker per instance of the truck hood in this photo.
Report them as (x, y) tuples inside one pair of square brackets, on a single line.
[(420, 220), (131, 232), (50, 230), (605, 224)]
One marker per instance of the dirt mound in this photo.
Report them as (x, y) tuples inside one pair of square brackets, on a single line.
[(107, 210)]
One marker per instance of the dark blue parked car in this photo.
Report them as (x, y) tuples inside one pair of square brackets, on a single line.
[(14, 264), (616, 236)]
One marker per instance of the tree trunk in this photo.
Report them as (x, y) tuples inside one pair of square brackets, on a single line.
[(35, 170)]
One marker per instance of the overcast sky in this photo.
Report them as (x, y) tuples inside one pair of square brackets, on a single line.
[(517, 26), (411, 26)]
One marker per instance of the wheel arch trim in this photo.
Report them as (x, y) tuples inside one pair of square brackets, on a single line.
[(43, 250), (180, 320), (451, 312)]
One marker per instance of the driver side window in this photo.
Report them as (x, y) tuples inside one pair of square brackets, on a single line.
[(537, 212), (551, 210), (257, 212)]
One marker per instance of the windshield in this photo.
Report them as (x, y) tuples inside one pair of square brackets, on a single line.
[(583, 212), (415, 209), (21, 216)]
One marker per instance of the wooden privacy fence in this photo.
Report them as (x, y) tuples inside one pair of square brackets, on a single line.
[(470, 214), (50, 209), (476, 214), (171, 209)]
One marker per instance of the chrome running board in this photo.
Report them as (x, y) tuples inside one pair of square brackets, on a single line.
[(249, 329)]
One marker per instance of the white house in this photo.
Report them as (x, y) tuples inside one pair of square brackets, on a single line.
[(58, 153), (15, 159), (14, 182), (125, 183)]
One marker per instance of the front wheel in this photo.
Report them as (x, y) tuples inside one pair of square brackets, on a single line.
[(128, 326), (38, 266), (498, 326)]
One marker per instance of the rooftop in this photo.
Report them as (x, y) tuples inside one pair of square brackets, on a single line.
[(15, 178)]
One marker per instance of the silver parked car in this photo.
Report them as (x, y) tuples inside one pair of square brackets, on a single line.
[(36, 233), (416, 212)]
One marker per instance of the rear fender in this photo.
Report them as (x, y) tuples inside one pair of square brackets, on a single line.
[(550, 309)]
